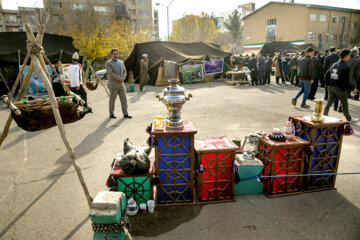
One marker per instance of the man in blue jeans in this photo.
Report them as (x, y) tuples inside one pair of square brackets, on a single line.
[(306, 77)]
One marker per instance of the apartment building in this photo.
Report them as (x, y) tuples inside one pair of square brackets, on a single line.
[(322, 26)]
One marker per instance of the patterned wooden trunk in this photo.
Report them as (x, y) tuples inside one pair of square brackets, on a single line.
[(216, 156), (138, 187), (326, 139), (282, 158), (174, 161)]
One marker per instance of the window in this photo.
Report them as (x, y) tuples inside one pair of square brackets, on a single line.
[(156, 15), (101, 9), (335, 19), (76, 6), (104, 20), (313, 17), (143, 2), (333, 37), (156, 22), (58, 17), (271, 22), (270, 39), (323, 18), (12, 18), (56, 4), (354, 25), (312, 37), (132, 12), (144, 12)]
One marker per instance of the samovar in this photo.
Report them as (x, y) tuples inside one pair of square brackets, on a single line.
[(318, 114), (174, 97)]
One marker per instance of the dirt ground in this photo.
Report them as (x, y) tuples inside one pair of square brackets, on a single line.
[(41, 197)]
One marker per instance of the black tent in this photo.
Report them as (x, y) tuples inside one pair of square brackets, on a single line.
[(11, 42), (171, 51), (273, 47)]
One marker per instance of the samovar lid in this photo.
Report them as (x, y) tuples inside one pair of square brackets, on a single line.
[(174, 87)]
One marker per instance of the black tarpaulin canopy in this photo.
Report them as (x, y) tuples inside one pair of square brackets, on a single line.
[(11, 42), (171, 51), (273, 47)]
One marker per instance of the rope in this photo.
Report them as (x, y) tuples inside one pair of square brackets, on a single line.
[(106, 228)]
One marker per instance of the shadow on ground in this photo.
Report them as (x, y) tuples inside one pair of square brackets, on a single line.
[(163, 220)]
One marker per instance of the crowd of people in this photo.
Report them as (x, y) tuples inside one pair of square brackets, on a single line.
[(338, 71)]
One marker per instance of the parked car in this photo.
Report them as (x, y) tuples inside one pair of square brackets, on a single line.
[(102, 74)]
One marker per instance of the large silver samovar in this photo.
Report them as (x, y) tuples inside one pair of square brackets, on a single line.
[(174, 97)]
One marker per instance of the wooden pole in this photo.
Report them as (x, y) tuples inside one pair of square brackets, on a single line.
[(97, 78), (54, 104)]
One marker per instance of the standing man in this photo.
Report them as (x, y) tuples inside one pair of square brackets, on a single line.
[(253, 69), (268, 68), (330, 59), (144, 76), (116, 71), (293, 68), (286, 63), (338, 81), (317, 75), (245, 63), (56, 84), (75, 77), (354, 65), (261, 68), (306, 77)]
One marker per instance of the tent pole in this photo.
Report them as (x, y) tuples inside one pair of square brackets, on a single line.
[(61, 52), (54, 104), (19, 60)]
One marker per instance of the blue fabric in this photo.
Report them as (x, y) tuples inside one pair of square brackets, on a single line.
[(305, 88), (117, 64)]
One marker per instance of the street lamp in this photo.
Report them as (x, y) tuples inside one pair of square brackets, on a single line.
[(309, 33), (167, 9)]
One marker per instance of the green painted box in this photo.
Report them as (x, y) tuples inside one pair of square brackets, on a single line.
[(247, 169), (138, 187)]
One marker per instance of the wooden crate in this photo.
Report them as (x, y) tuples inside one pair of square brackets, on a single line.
[(138, 187), (174, 161), (326, 139), (282, 158), (217, 156)]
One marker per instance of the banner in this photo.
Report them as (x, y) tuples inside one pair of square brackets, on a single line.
[(192, 73), (36, 86), (213, 67)]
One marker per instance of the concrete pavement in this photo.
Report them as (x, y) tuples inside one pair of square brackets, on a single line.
[(41, 197)]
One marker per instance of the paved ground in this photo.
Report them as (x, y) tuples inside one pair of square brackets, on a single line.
[(41, 198)]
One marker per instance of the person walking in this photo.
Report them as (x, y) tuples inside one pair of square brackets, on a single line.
[(317, 75), (253, 70), (261, 68), (293, 68), (116, 72), (268, 69), (330, 59), (144, 76), (306, 77), (56, 84), (338, 80), (354, 64), (75, 77)]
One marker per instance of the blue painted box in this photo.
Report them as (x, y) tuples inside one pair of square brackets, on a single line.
[(326, 140), (174, 160)]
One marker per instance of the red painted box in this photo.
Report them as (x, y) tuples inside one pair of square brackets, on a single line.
[(282, 158), (216, 182)]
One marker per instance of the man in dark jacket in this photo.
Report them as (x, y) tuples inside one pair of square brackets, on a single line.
[(245, 63), (354, 65), (330, 59), (268, 69), (281, 56), (293, 68), (261, 68), (306, 77), (253, 69), (338, 81), (317, 75)]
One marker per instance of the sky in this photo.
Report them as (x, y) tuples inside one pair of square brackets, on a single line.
[(179, 8)]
